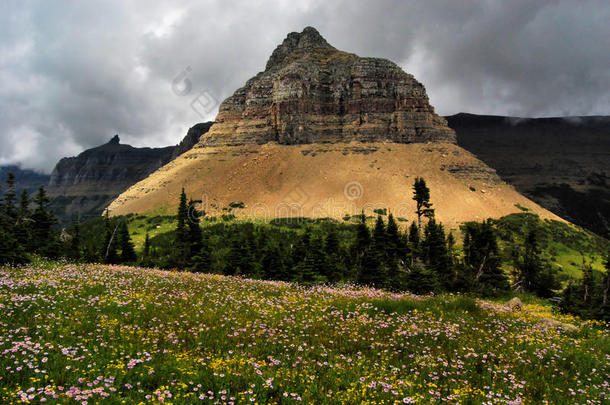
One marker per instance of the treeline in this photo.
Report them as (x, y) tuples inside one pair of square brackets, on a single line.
[(28, 227), (423, 258)]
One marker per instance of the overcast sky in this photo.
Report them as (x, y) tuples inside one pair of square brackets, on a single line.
[(74, 73)]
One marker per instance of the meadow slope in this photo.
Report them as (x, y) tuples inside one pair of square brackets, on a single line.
[(94, 333)]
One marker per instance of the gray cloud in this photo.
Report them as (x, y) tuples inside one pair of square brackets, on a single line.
[(72, 74)]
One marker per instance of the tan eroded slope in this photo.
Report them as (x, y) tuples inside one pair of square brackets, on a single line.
[(328, 180)]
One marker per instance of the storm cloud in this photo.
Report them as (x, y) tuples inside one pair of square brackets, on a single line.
[(74, 73)]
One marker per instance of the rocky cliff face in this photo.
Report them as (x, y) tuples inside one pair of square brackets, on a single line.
[(311, 92), (87, 183)]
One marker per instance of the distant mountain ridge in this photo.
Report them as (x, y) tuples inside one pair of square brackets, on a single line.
[(562, 163), (87, 183), (25, 179)]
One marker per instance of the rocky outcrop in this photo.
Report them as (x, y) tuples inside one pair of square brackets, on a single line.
[(191, 138), (311, 92)]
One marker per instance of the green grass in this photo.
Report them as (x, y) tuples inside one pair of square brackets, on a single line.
[(565, 245), (129, 335)]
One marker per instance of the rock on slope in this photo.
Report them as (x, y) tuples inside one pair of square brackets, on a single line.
[(324, 133), (88, 182)]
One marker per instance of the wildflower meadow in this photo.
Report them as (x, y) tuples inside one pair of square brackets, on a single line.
[(85, 333)]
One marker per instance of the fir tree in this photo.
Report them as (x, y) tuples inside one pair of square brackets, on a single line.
[(482, 260), (181, 256), (361, 246), (373, 267), (606, 283), (394, 238), (379, 234), (44, 240), (109, 248), (146, 249), (11, 251), (147, 254), (273, 265), (587, 283), (421, 280), (10, 199), (413, 242), (241, 259), (333, 256), (605, 299), (202, 262), (300, 249), (315, 262), (74, 248), (194, 230), (24, 221), (421, 196), (436, 255), (128, 253), (532, 272)]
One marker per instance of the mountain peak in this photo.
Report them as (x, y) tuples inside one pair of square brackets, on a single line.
[(307, 39), (115, 140)]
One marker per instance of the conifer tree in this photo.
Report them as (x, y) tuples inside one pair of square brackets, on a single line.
[(44, 240), (241, 260), (194, 230), (421, 196), (128, 253), (24, 221), (146, 249), (532, 272), (605, 298), (587, 283), (482, 260), (11, 251), (361, 246), (10, 199), (421, 280), (333, 256), (379, 234), (394, 239), (413, 241), (146, 256), (606, 283), (299, 251), (181, 256), (272, 262), (202, 262), (109, 248), (315, 263), (373, 268), (74, 248), (436, 255)]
